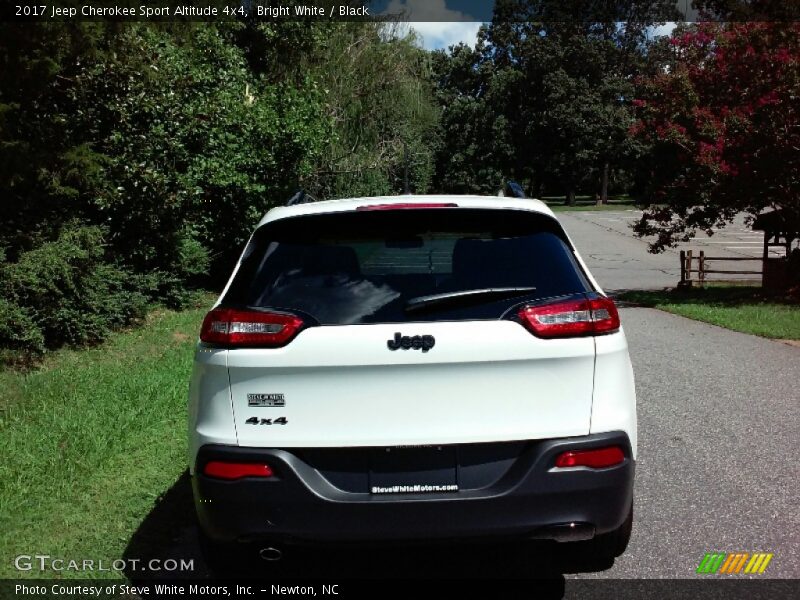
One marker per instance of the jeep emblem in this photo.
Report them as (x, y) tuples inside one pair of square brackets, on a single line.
[(406, 342)]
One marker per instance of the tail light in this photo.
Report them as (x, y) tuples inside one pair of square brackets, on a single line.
[(231, 470), (231, 327), (598, 458), (571, 318)]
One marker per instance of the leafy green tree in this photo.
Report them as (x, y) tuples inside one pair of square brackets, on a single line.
[(47, 169), (551, 93), (378, 94), (164, 135), (163, 144), (475, 145)]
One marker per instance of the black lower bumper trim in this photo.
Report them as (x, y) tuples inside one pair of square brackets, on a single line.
[(531, 499)]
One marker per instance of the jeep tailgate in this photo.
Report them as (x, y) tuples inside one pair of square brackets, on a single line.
[(344, 386)]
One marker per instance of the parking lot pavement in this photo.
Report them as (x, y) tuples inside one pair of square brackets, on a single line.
[(613, 253), (617, 259), (735, 239)]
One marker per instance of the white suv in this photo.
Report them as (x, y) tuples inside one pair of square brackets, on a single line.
[(411, 368)]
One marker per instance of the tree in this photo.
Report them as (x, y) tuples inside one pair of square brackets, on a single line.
[(476, 146), (377, 88), (550, 97), (45, 168), (722, 118), (135, 158)]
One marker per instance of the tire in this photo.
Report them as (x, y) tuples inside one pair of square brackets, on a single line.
[(610, 545)]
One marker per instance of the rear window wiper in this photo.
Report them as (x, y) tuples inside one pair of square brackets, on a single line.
[(465, 296)]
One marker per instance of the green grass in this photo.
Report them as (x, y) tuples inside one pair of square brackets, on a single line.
[(585, 203), (91, 439), (741, 308)]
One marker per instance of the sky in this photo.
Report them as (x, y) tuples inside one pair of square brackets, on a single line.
[(434, 36), (440, 26)]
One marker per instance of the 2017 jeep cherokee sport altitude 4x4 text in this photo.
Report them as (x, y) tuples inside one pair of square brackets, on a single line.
[(412, 368)]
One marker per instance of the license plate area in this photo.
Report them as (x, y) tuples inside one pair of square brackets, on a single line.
[(413, 470)]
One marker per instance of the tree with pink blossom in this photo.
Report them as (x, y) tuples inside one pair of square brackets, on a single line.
[(722, 120)]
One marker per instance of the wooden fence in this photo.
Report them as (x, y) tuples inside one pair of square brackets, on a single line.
[(702, 270)]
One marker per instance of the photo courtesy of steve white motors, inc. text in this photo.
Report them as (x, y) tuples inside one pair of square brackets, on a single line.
[(165, 589)]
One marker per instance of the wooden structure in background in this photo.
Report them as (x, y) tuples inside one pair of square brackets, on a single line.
[(692, 264), (781, 228)]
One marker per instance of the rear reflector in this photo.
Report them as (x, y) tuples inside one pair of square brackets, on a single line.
[(407, 205), (228, 470), (572, 318), (599, 458), (230, 327)]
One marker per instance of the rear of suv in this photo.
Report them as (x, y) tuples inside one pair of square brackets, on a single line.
[(412, 368)]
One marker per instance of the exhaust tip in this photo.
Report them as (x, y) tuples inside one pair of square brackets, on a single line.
[(270, 554), (566, 532)]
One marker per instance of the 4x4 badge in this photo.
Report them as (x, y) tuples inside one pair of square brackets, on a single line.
[(257, 421), (417, 342)]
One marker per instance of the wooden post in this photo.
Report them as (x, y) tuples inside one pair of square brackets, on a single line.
[(683, 269), (689, 268), (701, 266)]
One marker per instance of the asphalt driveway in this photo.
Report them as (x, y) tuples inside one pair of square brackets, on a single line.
[(719, 423)]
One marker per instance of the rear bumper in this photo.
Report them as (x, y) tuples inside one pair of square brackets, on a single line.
[(530, 499)]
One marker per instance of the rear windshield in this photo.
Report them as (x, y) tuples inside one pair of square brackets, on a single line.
[(382, 266)]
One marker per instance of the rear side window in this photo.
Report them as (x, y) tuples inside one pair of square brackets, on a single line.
[(375, 266)]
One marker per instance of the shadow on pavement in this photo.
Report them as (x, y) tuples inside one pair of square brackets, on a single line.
[(169, 532)]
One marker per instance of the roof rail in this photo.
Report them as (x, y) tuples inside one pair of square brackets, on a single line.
[(515, 190), (512, 189), (300, 197)]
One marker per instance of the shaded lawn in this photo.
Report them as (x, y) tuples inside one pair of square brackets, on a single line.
[(588, 203), (741, 308)]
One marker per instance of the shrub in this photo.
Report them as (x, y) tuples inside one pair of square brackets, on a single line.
[(20, 337), (66, 293)]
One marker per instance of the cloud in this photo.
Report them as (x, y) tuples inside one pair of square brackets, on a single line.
[(665, 29), (434, 36), (437, 25)]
